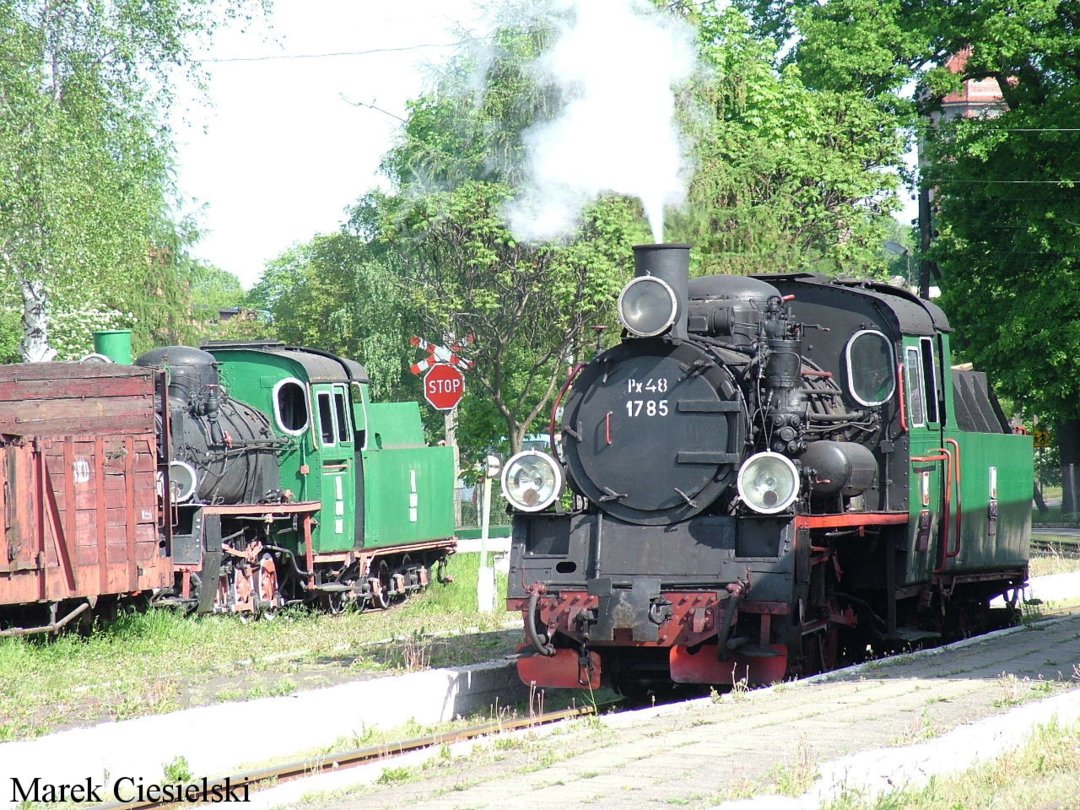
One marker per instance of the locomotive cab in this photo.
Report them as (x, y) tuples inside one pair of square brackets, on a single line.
[(385, 499), (770, 473)]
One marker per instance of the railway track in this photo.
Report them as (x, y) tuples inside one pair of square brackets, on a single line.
[(240, 785), (1059, 547)]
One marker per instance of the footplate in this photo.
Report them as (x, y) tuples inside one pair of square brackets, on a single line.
[(763, 665), (566, 669)]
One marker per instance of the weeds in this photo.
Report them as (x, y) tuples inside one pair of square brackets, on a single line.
[(536, 700), (416, 651), (1046, 771), (796, 778), (394, 776), (919, 729), (1020, 690), (160, 661), (177, 771)]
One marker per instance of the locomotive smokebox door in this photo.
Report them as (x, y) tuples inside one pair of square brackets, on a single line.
[(653, 431)]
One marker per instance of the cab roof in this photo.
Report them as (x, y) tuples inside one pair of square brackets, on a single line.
[(914, 315), (320, 366)]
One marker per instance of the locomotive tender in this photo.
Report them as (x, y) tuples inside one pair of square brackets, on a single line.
[(768, 473), (235, 479)]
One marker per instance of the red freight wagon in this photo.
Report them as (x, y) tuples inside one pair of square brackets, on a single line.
[(78, 487)]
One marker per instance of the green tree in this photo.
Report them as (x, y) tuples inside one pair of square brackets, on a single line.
[(1007, 208), (788, 176), (85, 190), (527, 307), (336, 293), (461, 159)]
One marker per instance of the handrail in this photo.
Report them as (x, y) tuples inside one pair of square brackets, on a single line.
[(900, 389), (946, 456), (959, 499), (570, 377)]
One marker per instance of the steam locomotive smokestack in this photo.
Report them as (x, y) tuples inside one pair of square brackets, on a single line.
[(670, 263)]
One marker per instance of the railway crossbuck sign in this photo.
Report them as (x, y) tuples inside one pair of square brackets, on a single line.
[(444, 385)]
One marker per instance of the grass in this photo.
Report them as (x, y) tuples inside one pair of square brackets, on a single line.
[(1021, 690), (160, 661), (1043, 773), (1055, 561)]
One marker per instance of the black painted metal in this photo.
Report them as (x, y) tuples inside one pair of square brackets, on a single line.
[(229, 444), (671, 263), (654, 430)]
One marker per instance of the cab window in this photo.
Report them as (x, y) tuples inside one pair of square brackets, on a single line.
[(913, 377), (871, 378), (359, 415), (341, 413), (290, 406), (326, 419), (929, 365)]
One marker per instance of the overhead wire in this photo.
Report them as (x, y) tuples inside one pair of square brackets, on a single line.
[(330, 54)]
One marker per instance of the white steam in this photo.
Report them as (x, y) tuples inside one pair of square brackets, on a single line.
[(615, 63)]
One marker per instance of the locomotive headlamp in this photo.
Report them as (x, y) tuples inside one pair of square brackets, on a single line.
[(183, 480), (647, 306), (531, 481), (768, 483)]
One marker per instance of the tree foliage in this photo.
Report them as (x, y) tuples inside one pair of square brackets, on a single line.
[(85, 189), (1006, 211), (788, 177), (462, 273), (526, 307), (336, 293)]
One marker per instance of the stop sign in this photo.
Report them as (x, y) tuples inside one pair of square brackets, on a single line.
[(444, 386)]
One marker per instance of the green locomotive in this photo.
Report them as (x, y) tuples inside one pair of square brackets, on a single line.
[(289, 484)]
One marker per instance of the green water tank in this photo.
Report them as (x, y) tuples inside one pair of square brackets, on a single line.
[(114, 344)]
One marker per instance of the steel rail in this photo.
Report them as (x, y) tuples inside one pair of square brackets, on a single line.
[(313, 766), (1061, 548)]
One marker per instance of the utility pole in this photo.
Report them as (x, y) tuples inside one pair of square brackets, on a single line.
[(926, 234), (450, 435)]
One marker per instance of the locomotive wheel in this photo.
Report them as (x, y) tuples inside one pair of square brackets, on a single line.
[(267, 590), (406, 562), (821, 650), (382, 598), (334, 603), (338, 603)]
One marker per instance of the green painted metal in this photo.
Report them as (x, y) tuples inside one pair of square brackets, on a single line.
[(989, 532), (1011, 456), (923, 442), (500, 530), (409, 486), (334, 467), (114, 344), (367, 463)]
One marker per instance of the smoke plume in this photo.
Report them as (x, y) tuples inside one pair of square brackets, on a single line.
[(615, 63)]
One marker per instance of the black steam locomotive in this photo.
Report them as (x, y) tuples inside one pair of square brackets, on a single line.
[(766, 473)]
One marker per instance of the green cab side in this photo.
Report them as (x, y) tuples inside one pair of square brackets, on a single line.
[(379, 485)]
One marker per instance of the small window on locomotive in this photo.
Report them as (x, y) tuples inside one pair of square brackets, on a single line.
[(326, 419), (929, 364), (871, 377), (913, 378), (290, 406), (341, 412)]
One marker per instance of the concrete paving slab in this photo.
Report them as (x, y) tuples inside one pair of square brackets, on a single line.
[(866, 724), (224, 738)]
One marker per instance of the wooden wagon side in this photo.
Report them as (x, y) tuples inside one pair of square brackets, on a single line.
[(78, 490)]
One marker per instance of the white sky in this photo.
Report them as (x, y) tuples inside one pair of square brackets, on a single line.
[(279, 153)]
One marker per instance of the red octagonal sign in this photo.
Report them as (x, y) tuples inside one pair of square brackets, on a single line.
[(444, 386)]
